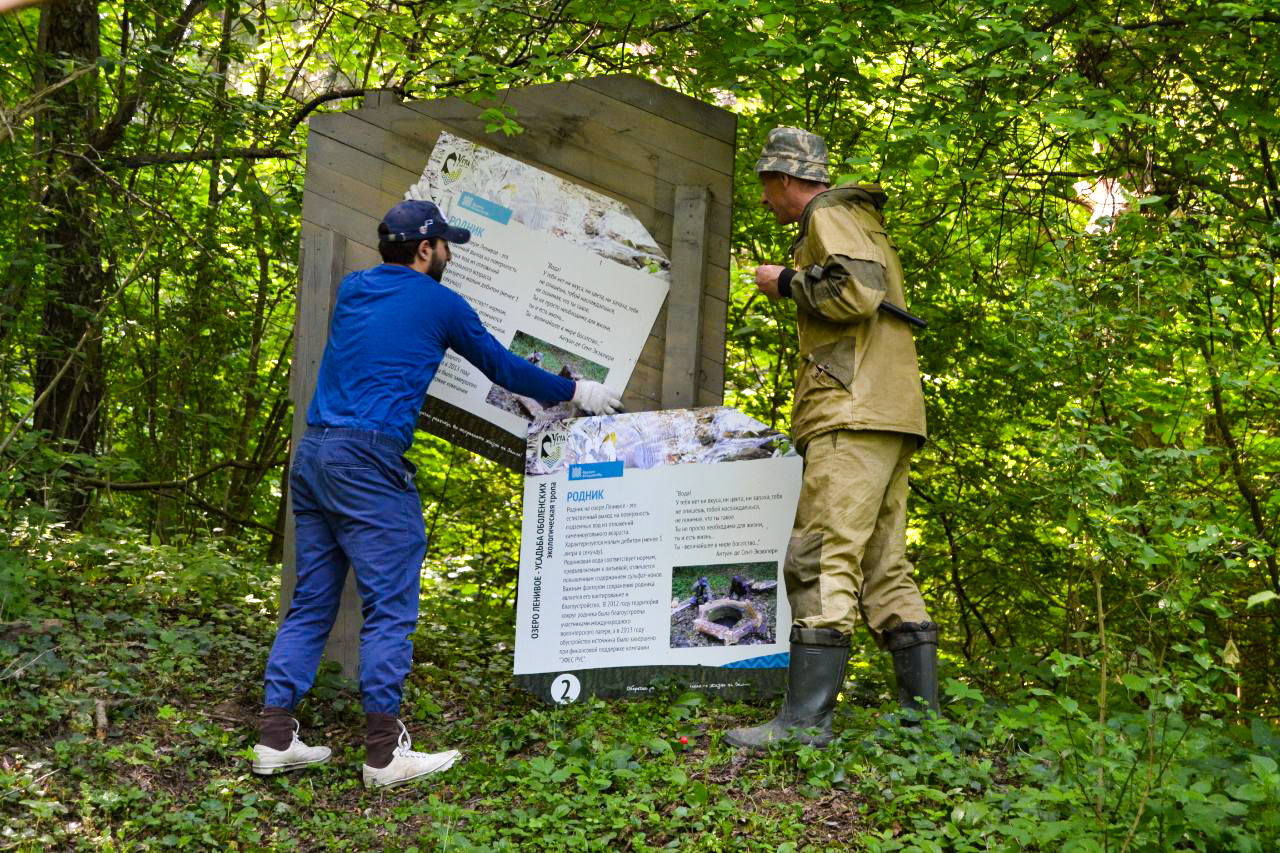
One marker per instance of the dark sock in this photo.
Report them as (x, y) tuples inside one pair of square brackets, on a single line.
[(382, 734), (275, 728)]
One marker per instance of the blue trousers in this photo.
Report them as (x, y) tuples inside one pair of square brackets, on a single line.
[(354, 503)]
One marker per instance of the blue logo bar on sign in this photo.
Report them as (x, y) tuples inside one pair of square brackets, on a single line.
[(595, 470), (484, 207)]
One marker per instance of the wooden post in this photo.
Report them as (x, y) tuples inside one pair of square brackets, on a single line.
[(322, 262), (684, 301), (375, 98)]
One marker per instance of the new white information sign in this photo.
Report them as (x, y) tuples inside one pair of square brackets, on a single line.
[(561, 275), (652, 548)]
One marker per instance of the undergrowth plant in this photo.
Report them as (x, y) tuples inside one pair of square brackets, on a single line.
[(128, 701)]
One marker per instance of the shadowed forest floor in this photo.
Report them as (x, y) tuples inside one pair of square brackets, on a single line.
[(127, 710)]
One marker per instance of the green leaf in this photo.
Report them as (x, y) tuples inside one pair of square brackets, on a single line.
[(659, 746), (697, 794), (1136, 683), (960, 690), (1261, 598)]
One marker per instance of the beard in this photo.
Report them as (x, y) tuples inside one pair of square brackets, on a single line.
[(436, 269)]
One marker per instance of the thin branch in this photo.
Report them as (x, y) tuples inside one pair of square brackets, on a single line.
[(159, 485), (75, 352), (30, 784), (1169, 23), (217, 510), (315, 102), (27, 108), (112, 131), (17, 672), (169, 157)]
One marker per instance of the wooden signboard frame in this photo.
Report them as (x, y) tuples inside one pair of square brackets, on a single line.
[(668, 157)]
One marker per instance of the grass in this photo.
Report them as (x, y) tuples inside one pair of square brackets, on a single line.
[(179, 685), (171, 662)]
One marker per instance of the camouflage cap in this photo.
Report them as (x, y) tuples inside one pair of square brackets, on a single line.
[(795, 152)]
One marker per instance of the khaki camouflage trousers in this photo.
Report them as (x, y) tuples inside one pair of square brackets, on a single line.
[(847, 555)]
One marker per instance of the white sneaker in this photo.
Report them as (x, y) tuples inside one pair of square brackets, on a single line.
[(267, 761), (407, 765)]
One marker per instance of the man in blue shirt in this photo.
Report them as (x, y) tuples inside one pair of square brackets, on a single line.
[(354, 501)]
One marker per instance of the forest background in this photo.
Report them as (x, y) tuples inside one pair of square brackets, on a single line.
[(1087, 204)]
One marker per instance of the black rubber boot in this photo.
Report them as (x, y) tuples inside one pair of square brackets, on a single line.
[(818, 660), (914, 646)]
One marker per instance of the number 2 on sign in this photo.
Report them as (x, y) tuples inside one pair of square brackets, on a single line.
[(565, 689)]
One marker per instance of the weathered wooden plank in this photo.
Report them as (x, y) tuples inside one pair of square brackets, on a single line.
[(712, 332), (344, 639), (375, 98), (660, 131), (407, 132), (636, 401), (348, 192), (684, 302), (614, 131), (719, 223), (365, 130), (646, 382), (659, 100), (353, 224), (343, 158), (360, 256), (323, 258), (710, 385), (569, 102)]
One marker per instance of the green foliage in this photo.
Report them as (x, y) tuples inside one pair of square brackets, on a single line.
[(1027, 776), (1101, 396), (1095, 515), (1102, 401), (473, 514), (127, 712)]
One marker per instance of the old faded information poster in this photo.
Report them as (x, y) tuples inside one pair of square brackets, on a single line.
[(563, 276), (652, 549)]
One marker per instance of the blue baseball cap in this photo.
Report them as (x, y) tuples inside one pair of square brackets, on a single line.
[(418, 220)]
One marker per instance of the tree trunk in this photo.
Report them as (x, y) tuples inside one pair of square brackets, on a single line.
[(74, 277)]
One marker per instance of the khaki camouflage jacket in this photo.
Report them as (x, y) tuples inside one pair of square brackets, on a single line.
[(858, 365)]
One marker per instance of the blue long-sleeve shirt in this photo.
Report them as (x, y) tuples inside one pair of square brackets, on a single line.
[(390, 330)]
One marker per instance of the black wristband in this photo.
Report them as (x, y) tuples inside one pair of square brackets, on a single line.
[(784, 281)]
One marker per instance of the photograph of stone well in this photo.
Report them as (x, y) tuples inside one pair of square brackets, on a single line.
[(724, 604)]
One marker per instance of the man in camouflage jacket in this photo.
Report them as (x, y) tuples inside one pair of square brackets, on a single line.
[(857, 418)]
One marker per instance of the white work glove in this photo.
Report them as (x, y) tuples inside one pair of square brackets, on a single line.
[(595, 398), (418, 192)]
